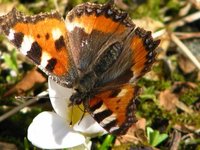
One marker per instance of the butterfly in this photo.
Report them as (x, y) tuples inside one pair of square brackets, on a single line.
[(96, 50)]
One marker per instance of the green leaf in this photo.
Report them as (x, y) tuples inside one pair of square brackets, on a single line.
[(149, 131), (154, 137), (10, 60), (107, 142), (26, 144)]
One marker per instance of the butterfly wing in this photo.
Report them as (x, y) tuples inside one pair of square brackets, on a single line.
[(135, 60), (143, 52), (43, 39), (114, 106), (114, 109), (92, 28), (97, 32)]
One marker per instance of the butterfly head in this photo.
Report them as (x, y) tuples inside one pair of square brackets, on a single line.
[(77, 98)]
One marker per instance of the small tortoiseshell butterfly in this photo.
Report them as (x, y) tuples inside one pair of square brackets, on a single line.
[(97, 51)]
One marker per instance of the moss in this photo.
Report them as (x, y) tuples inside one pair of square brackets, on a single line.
[(184, 119), (149, 110), (156, 85), (174, 5), (150, 8), (191, 96)]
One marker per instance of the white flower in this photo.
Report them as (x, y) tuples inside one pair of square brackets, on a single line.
[(52, 130)]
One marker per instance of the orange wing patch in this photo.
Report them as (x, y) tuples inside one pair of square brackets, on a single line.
[(101, 18), (143, 50), (93, 27), (107, 25), (42, 38), (114, 109), (98, 23), (46, 33)]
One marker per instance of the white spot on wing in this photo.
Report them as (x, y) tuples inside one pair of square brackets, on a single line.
[(56, 33), (44, 61), (26, 44), (114, 128), (11, 34), (71, 26), (122, 93), (102, 108), (108, 119)]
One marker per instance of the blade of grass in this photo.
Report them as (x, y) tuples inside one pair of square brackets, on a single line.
[(107, 142)]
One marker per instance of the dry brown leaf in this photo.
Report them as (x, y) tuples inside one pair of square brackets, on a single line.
[(31, 78), (196, 3), (148, 23), (182, 87), (185, 128), (167, 100), (198, 78), (121, 4), (170, 101), (7, 146), (185, 64), (135, 134), (6, 7)]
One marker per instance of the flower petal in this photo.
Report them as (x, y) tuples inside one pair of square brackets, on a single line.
[(49, 131), (60, 100), (89, 126), (59, 97), (86, 146)]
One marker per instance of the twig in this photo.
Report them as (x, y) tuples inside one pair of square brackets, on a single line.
[(37, 5), (184, 11), (185, 35), (18, 108), (185, 50), (196, 3), (56, 5), (187, 19), (159, 33), (183, 107), (176, 140)]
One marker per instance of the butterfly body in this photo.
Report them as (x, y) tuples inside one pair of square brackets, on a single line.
[(97, 51)]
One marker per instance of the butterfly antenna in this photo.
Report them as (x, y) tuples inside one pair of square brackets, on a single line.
[(82, 117), (72, 104), (84, 111), (80, 108)]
